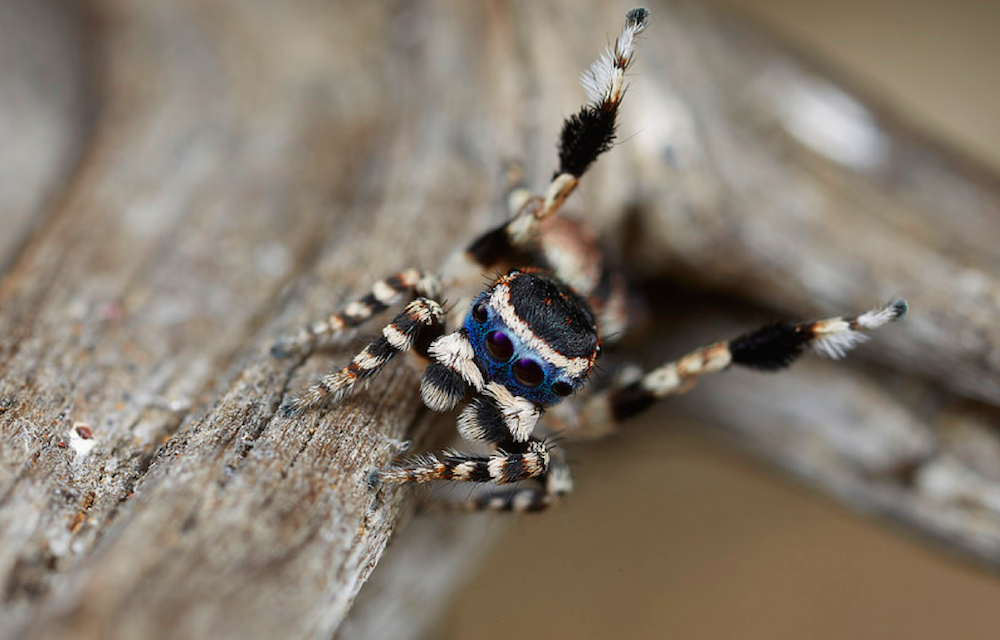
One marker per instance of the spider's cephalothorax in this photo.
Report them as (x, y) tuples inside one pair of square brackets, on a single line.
[(530, 340), (527, 342), (534, 335)]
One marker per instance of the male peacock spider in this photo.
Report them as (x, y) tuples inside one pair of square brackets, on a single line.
[(530, 340)]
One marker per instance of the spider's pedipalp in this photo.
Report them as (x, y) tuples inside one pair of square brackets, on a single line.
[(441, 388), (604, 81), (452, 373), (498, 415)]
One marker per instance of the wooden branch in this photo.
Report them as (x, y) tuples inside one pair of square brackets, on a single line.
[(756, 174), (252, 166), (767, 180), (43, 124), (246, 176)]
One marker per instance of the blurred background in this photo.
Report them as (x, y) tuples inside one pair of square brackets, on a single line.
[(673, 533)]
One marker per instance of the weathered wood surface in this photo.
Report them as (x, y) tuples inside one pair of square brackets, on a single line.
[(199, 177)]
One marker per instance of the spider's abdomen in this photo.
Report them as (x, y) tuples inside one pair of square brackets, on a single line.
[(534, 335)]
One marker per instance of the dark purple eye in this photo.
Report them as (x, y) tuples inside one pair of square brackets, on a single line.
[(528, 373), (499, 345), (561, 388), (479, 313)]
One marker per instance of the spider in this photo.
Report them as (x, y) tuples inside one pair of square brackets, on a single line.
[(529, 341)]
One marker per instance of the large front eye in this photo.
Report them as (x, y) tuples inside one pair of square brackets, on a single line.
[(499, 346), (528, 372)]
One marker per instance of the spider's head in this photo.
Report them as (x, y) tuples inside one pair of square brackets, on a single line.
[(534, 335)]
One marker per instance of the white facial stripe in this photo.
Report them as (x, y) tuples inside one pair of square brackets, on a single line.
[(500, 301)]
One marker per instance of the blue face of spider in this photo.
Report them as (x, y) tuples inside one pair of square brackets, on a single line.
[(534, 335)]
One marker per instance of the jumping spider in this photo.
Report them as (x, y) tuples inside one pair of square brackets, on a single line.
[(530, 340)]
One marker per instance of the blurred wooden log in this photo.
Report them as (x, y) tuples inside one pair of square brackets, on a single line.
[(46, 110), (763, 177), (252, 164), (759, 175)]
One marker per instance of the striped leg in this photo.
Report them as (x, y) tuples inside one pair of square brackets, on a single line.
[(556, 483), (521, 462), (384, 294), (584, 137), (770, 348), (419, 317)]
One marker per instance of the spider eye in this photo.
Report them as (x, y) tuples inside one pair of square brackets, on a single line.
[(561, 388), (479, 313), (528, 373), (499, 346)]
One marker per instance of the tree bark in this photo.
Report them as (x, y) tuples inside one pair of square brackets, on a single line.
[(197, 178)]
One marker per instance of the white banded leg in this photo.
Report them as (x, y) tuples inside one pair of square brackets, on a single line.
[(384, 294), (584, 137), (419, 316), (555, 484), (770, 348), (529, 460)]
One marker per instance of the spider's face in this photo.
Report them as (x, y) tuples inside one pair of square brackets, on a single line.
[(534, 335)]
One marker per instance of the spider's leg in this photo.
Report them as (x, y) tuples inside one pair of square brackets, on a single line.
[(585, 136), (770, 348), (384, 294), (590, 132), (518, 461), (555, 483), (419, 320)]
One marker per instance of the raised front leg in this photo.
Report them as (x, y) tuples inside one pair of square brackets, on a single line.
[(584, 137)]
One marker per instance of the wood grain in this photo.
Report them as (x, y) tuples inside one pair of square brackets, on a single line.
[(197, 178)]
